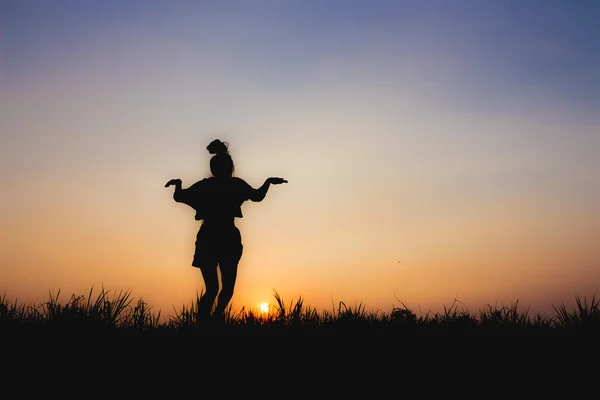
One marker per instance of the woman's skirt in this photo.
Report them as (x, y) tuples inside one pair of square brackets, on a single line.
[(217, 244)]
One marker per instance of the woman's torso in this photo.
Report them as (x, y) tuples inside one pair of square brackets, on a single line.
[(219, 200)]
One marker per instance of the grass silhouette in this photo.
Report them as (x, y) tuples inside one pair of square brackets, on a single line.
[(119, 313)]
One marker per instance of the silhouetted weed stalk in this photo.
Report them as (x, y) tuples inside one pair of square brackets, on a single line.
[(119, 312)]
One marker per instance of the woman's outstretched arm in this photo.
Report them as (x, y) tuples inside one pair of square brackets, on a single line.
[(180, 195), (260, 193), (178, 191)]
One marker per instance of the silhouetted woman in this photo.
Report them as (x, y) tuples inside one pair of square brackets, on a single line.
[(217, 201)]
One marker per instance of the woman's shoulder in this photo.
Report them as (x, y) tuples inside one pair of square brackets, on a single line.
[(240, 183), (206, 181), (201, 184)]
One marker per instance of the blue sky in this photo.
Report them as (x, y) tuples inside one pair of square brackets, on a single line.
[(493, 48)]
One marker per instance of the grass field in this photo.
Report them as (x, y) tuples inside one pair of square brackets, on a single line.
[(117, 312)]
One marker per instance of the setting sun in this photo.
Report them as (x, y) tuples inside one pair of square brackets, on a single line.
[(264, 308)]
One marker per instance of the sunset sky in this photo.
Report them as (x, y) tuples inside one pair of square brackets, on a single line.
[(435, 150)]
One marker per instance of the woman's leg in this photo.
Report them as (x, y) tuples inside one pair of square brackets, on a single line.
[(211, 284), (228, 276), (228, 264), (207, 263)]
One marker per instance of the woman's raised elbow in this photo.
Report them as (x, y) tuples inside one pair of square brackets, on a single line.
[(257, 196), (179, 196)]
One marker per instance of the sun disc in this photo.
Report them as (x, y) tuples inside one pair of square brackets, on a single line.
[(264, 307)]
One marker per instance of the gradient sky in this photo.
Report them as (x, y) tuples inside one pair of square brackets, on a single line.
[(435, 150)]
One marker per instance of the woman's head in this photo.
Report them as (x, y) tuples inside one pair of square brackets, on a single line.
[(221, 164)]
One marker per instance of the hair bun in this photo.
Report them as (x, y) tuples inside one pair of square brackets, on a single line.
[(217, 147)]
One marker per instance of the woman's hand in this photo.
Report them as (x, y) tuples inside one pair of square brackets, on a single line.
[(176, 182), (276, 181)]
